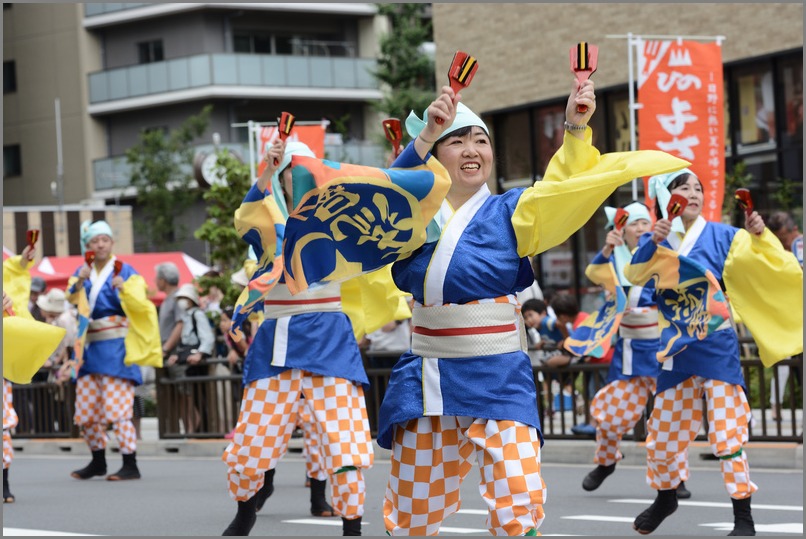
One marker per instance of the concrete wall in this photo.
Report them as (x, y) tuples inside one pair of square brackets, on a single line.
[(47, 44), (522, 49)]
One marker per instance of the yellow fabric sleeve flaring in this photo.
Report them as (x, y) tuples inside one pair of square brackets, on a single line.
[(17, 284), (578, 180), (27, 344), (143, 345), (765, 286), (372, 300)]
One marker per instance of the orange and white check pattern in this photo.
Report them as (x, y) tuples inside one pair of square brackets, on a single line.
[(310, 445), (268, 417), (431, 456), (103, 400), (675, 421), (617, 407), (9, 422)]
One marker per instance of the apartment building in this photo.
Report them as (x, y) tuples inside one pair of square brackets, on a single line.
[(119, 69), (524, 77)]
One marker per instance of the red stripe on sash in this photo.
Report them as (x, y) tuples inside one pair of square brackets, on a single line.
[(451, 332)]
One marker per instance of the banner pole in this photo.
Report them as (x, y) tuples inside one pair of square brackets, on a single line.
[(251, 152), (632, 105)]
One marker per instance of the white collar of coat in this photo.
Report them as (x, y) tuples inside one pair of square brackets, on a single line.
[(452, 225), (685, 245), (98, 280)]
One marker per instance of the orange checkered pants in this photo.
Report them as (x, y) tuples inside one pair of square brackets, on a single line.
[(9, 422), (676, 420), (311, 443), (102, 400), (268, 417), (431, 456)]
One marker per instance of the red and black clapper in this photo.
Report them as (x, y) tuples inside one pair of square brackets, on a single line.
[(463, 69), (621, 218), (676, 206), (89, 257), (116, 267), (584, 60), (285, 123), (394, 134), (32, 237)]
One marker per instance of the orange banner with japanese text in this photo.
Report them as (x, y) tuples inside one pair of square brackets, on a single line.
[(681, 112), (312, 135)]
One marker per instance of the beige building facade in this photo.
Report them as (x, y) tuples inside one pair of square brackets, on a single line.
[(524, 78)]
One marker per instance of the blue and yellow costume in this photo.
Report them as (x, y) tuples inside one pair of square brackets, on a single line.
[(119, 331), (699, 347)]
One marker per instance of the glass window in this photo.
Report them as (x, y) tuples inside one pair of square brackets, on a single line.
[(242, 43), (515, 160), (791, 77), (549, 131), (12, 161), (150, 51), (9, 77), (754, 89)]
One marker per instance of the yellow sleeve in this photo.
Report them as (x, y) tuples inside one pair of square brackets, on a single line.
[(143, 345), (372, 300), (765, 286), (17, 284), (27, 344), (577, 181)]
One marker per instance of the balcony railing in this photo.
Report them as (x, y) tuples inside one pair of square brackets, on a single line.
[(247, 70), (92, 9), (114, 173)]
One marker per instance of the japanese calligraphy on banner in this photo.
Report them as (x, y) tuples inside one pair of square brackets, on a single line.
[(312, 135), (681, 94)]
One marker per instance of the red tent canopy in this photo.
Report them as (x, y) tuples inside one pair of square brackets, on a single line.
[(54, 279), (143, 263)]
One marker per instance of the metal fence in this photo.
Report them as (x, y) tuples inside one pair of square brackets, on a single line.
[(564, 395)]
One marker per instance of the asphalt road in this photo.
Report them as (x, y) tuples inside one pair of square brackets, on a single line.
[(187, 496)]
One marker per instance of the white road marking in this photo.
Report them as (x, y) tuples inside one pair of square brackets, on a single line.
[(20, 532), (472, 511), (601, 518), (319, 521), (791, 527), (714, 504)]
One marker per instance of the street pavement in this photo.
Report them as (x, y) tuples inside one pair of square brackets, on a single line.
[(184, 496)]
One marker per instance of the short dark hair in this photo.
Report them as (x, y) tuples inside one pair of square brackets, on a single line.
[(565, 304), (677, 182), (779, 220), (536, 305), (461, 132)]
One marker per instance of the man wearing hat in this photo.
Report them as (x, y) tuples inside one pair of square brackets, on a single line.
[(107, 377), (38, 286)]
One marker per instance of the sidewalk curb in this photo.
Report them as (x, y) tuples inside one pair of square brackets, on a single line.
[(776, 455)]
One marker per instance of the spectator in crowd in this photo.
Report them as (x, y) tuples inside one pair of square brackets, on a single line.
[(38, 286), (535, 312), (54, 308), (195, 346), (171, 314), (783, 225)]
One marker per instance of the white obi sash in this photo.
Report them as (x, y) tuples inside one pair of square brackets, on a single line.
[(281, 304), (107, 328), (476, 329)]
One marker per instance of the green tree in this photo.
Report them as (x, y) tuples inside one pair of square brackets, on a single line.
[(227, 249), (161, 171), (403, 67)]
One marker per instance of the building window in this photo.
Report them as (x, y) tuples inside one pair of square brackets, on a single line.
[(756, 96), (12, 162), (253, 43), (9, 77), (6, 6), (150, 51)]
